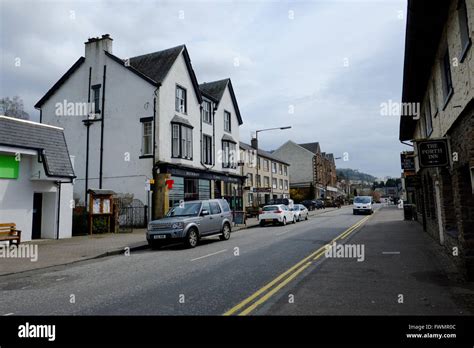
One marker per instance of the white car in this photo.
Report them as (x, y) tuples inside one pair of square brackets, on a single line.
[(362, 204), (277, 213), (300, 212)]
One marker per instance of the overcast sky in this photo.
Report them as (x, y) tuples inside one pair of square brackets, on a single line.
[(323, 67)]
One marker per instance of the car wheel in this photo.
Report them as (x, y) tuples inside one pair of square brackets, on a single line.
[(262, 223), (294, 219), (192, 238), (284, 222), (306, 218), (225, 232)]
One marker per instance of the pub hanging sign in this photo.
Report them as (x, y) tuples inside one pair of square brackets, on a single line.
[(433, 153)]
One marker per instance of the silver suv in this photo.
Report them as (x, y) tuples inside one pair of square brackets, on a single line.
[(189, 221)]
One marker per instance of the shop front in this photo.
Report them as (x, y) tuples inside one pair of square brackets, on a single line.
[(195, 184)]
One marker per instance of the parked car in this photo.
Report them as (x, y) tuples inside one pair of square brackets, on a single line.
[(310, 205), (362, 204), (319, 204), (286, 201), (300, 212), (278, 213), (189, 221)]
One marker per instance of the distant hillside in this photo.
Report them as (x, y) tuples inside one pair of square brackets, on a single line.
[(352, 174)]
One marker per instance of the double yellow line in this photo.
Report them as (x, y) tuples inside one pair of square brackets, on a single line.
[(248, 305)]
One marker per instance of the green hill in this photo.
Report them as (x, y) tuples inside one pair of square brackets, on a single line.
[(353, 174)]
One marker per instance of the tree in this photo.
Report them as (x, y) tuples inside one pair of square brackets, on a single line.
[(13, 108), (390, 183)]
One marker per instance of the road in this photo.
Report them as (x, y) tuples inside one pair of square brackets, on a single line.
[(249, 274)]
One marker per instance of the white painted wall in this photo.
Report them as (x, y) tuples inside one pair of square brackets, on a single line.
[(227, 105), (178, 75), (126, 96), (16, 202)]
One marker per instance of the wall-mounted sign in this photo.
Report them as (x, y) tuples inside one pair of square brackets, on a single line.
[(408, 160), (433, 153)]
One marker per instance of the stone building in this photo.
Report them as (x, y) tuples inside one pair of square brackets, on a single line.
[(316, 169), (439, 75)]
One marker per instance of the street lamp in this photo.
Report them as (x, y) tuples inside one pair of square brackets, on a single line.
[(258, 160)]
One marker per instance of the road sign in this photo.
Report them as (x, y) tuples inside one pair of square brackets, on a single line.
[(433, 153)]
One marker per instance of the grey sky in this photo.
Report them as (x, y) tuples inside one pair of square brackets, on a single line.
[(289, 54)]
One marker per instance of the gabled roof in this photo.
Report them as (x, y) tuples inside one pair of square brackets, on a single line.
[(215, 90), (262, 153), (157, 65), (59, 83), (48, 140), (313, 147)]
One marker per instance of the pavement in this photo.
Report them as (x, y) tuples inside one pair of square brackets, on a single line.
[(404, 272), (269, 270), (53, 252)]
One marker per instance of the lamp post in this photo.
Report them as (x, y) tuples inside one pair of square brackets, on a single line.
[(258, 159)]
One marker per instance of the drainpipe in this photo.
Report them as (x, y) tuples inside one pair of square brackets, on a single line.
[(156, 119), (102, 129), (438, 207), (87, 123), (58, 183)]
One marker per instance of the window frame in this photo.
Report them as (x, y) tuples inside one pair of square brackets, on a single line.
[(227, 113), (96, 97), (228, 154), (209, 112), (464, 32), (428, 116), (185, 145), (447, 79), (144, 122), (177, 104), (207, 155)]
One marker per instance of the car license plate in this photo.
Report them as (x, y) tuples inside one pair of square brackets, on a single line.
[(268, 220), (159, 236)]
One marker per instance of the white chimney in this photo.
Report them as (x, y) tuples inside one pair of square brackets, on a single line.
[(97, 45)]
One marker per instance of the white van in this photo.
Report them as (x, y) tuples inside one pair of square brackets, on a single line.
[(363, 204)]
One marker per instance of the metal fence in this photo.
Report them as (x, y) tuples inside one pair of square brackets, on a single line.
[(130, 214)]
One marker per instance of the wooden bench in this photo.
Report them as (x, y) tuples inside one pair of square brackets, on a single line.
[(8, 232)]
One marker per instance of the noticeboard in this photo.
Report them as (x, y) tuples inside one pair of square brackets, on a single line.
[(433, 153)]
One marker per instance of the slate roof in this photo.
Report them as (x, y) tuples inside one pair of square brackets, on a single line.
[(313, 147), (157, 65), (215, 90), (262, 153), (37, 136)]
